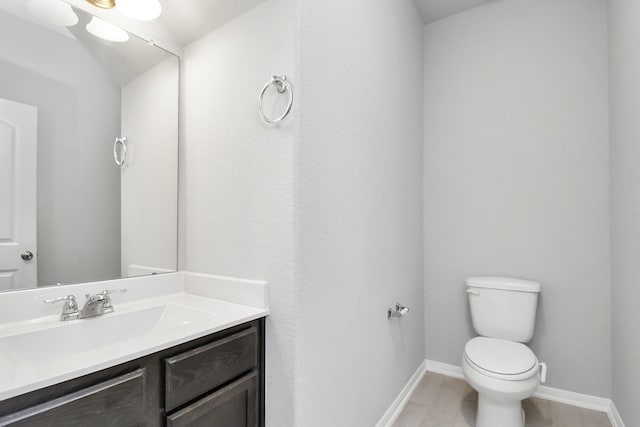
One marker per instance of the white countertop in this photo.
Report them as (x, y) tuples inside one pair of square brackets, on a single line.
[(156, 313)]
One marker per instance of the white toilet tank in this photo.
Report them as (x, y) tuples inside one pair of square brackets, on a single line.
[(503, 307)]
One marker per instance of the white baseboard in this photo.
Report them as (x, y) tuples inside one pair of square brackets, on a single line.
[(575, 399), (549, 393), (399, 403), (444, 369)]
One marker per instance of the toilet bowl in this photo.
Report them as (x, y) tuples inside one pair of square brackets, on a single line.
[(497, 364), (503, 373)]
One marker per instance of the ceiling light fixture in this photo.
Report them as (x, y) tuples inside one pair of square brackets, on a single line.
[(106, 31), (140, 10), (104, 4)]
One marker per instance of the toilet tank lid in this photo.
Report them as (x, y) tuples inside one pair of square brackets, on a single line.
[(506, 283)]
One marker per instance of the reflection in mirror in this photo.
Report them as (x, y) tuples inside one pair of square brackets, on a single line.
[(70, 103)]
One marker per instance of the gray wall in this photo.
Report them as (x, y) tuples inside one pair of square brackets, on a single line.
[(359, 208), (516, 180), (624, 35), (237, 175), (78, 193)]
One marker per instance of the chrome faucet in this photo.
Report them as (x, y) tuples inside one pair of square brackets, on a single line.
[(98, 304)]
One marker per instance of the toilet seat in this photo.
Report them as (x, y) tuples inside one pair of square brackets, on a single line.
[(501, 359)]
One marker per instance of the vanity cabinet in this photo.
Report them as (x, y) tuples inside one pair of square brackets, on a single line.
[(118, 401), (232, 406), (217, 380), (193, 373)]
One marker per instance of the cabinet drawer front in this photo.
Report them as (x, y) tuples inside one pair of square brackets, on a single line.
[(196, 372), (117, 402), (232, 406)]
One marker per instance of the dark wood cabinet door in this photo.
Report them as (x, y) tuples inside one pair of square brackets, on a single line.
[(196, 372), (116, 402), (234, 405)]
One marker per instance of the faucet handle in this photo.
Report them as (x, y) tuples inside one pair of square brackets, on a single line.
[(105, 293), (107, 299), (70, 309), (69, 298), (113, 291)]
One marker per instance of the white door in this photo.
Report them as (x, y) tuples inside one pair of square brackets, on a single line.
[(18, 149)]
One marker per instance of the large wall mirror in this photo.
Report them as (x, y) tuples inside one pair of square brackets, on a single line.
[(74, 207)]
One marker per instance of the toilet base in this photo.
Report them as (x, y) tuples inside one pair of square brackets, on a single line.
[(493, 413)]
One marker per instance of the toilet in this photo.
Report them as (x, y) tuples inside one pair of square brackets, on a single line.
[(496, 363)]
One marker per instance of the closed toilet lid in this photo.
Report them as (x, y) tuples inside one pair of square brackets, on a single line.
[(500, 356)]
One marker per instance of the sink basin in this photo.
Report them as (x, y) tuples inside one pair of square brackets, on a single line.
[(99, 333)]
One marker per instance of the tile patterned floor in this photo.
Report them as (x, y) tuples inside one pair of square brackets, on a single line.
[(440, 401)]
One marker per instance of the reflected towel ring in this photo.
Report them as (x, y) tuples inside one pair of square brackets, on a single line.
[(123, 155), (283, 86)]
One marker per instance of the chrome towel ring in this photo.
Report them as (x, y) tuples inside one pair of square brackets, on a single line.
[(119, 159), (282, 86)]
